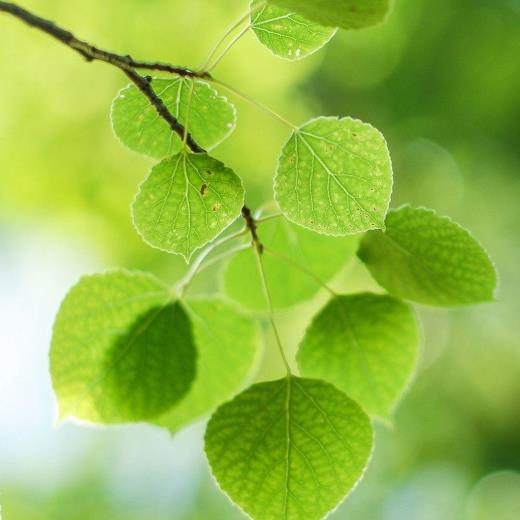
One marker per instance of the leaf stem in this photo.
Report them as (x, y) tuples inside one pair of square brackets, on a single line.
[(230, 30), (267, 218), (254, 102), (301, 268), (221, 40), (267, 295), (215, 260), (185, 282), (231, 44), (188, 112), (125, 63)]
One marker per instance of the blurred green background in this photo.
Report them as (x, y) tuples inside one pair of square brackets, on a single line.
[(441, 80)]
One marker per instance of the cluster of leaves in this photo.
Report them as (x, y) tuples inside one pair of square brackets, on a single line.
[(126, 347)]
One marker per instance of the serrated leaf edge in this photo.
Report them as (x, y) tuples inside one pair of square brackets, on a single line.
[(351, 490), (286, 58), (221, 96), (332, 234), (187, 258)]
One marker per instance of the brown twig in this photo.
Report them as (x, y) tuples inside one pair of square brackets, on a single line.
[(125, 63), (247, 215)]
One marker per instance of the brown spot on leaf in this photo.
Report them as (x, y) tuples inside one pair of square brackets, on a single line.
[(203, 189)]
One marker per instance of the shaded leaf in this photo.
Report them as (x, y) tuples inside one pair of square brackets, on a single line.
[(347, 14), (227, 347), (364, 344), (122, 349), (429, 259), (323, 256)]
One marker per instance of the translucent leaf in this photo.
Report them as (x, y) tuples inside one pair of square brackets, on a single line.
[(285, 33), (227, 346), (186, 201), (323, 256), (136, 122), (366, 345), (122, 349), (335, 177), (347, 14), (288, 449), (429, 259)]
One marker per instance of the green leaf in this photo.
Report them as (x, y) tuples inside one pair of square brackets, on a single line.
[(429, 259), (136, 122), (185, 202), (285, 33), (335, 177), (288, 449), (347, 14), (364, 344), (323, 256), (227, 346), (122, 349)]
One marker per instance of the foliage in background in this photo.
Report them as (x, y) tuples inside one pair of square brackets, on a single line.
[(419, 152)]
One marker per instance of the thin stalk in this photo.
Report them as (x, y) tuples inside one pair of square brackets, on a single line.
[(188, 113), (230, 30), (230, 45), (267, 295), (215, 260), (124, 63), (190, 275), (301, 268), (268, 218), (255, 103)]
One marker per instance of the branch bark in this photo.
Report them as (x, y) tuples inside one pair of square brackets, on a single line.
[(125, 63)]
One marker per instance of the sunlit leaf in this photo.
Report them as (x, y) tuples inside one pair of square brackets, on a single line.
[(287, 34), (186, 201), (136, 122), (227, 346), (335, 177), (347, 14), (366, 345), (122, 349), (288, 449), (429, 259), (320, 255)]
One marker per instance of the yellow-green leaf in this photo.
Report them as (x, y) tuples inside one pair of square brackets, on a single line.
[(185, 202), (122, 349), (366, 345), (290, 449)]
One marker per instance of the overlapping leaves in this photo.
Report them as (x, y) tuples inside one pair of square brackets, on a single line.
[(366, 345), (347, 14), (227, 346), (122, 349), (125, 349), (287, 34), (429, 259), (210, 116), (320, 255)]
